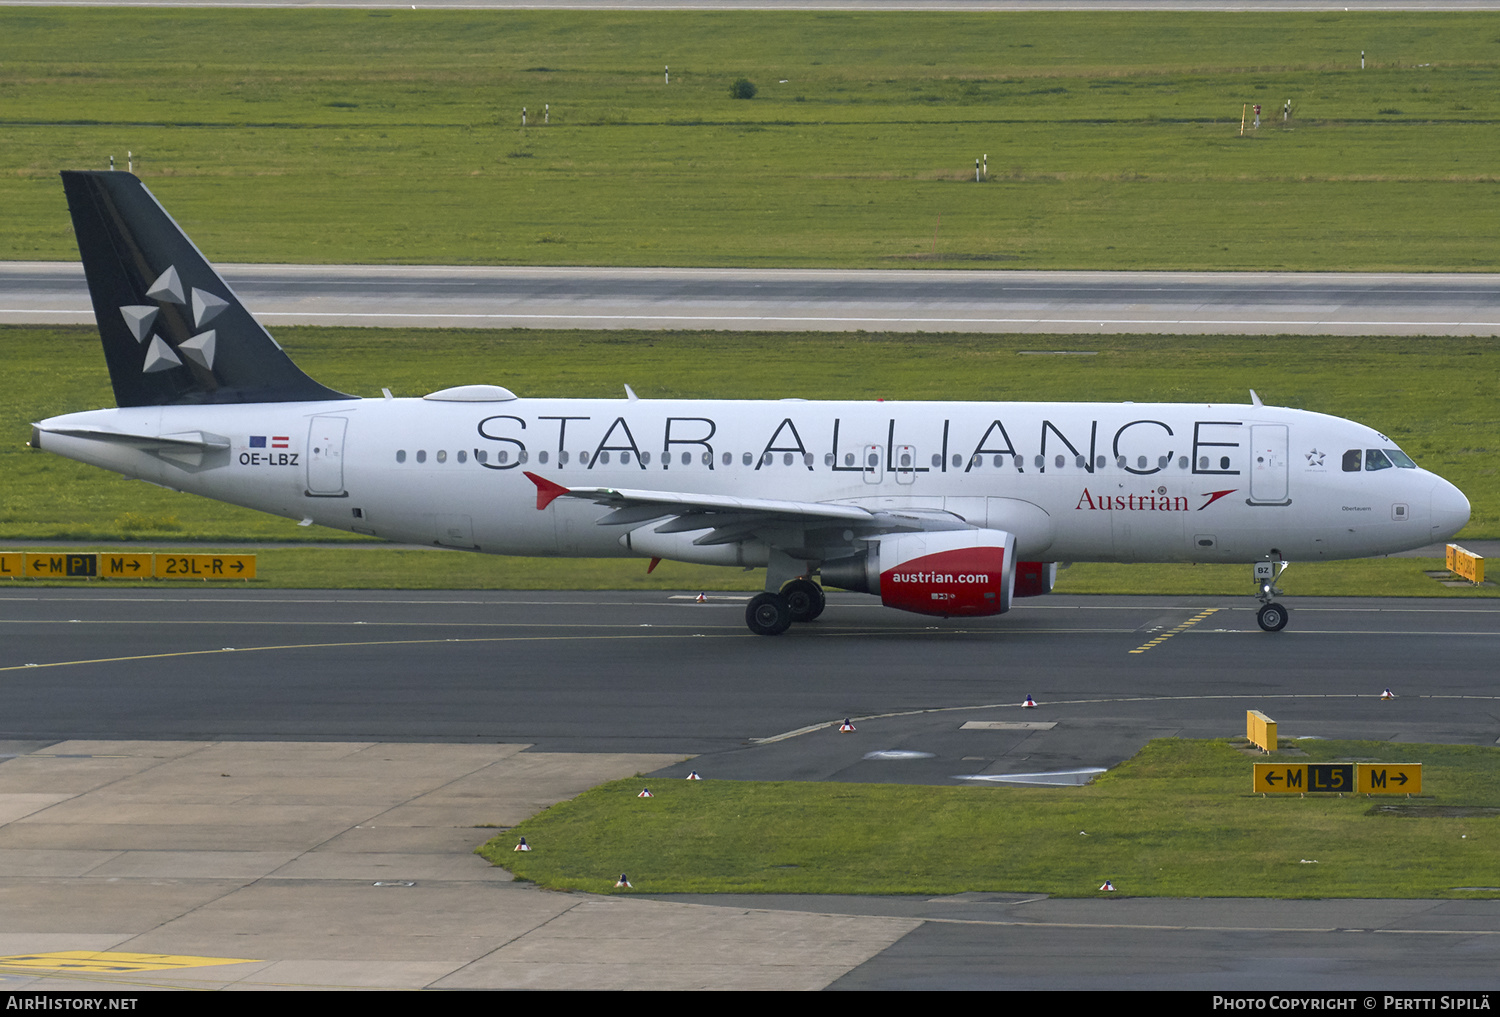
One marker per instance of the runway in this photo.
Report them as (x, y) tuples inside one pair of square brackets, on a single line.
[(255, 761), (686, 678), (249, 761), (1249, 303)]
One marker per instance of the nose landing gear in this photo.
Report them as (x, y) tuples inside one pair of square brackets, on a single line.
[(1272, 616)]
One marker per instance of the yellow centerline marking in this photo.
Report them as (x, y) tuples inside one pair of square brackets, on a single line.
[(1194, 620), (107, 962)]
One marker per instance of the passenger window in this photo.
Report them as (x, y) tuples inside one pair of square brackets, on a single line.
[(1352, 460), (1376, 460), (421, 455), (401, 455)]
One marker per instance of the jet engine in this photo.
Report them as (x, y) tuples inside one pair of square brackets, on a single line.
[(1034, 578), (951, 573)]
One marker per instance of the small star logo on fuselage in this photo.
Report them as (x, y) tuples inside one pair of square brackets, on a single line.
[(1314, 458)]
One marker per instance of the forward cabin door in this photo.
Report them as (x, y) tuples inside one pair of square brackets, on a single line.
[(1268, 464)]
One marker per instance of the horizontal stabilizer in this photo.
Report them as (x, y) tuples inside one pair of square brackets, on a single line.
[(199, 440)]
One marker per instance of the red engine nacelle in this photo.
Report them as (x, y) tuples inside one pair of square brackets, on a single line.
[(951, 573), (1034, 578)]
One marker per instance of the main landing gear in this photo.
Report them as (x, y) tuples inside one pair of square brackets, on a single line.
[(771, 614), (1271, 616)]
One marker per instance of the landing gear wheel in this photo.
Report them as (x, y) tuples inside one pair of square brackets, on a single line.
[(805, 598), (1272, 617), (768, 614)]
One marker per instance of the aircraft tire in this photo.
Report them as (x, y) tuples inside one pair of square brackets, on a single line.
[(768, 614), (805, 598), (1272, 617)]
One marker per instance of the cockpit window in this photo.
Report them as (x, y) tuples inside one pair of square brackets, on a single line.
[(1352, 459), (1376, 460), (1401, 459)]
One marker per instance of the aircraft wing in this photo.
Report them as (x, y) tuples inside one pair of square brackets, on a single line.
[(730, 518)]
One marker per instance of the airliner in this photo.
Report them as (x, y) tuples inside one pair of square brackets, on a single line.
[(949, 509)]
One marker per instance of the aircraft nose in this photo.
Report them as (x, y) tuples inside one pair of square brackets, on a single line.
[(1450, 510)]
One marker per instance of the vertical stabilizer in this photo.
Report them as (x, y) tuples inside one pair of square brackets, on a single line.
[(173, 331)]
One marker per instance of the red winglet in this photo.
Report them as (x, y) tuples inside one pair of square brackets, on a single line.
[(546, 491)]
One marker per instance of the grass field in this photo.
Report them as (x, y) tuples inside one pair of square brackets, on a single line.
[(1113, 139), (1177, 820)]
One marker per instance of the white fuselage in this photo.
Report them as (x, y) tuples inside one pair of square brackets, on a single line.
[(1073, 481)]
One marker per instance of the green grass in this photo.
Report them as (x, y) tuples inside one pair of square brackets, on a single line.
[(1113, 139), (1178, 820)]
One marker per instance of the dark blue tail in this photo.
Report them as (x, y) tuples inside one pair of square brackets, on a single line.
[(173, 331)]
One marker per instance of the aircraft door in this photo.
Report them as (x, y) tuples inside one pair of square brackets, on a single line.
[(874, 464), (906, 464), (1268, 464), (325, 457)]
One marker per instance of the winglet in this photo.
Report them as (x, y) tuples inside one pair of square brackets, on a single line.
[(546, 491)]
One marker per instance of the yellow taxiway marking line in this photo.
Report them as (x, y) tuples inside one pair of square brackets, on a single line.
[(1194, 620), (105, 962)]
